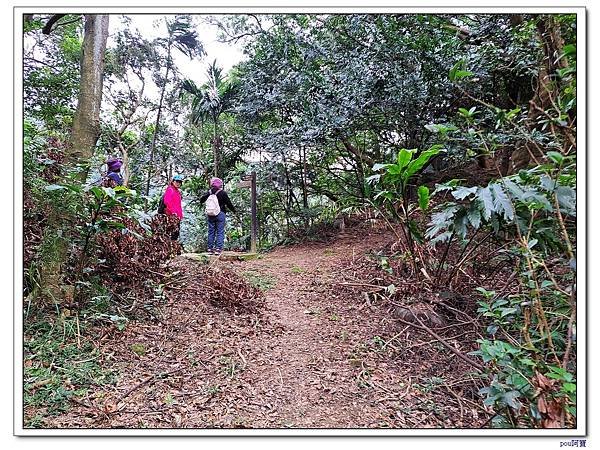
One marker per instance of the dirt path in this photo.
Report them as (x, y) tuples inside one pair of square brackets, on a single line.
[(308, 359), (308, 370)]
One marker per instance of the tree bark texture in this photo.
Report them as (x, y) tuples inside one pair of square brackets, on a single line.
[(86, 123), (85, 132), (216, 146), (546, 93)]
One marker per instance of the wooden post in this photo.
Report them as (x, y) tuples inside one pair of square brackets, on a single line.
[(253, 212)]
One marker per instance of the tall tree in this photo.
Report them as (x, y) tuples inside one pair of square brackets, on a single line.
[(85, 132), (184, 38), (86, 123), (210, 102)]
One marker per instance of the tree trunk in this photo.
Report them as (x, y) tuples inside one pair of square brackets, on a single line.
[(86, 123), (547, 90), (86, 129), (216, 143), (546, 93), (156, 125), (303, 172), (302, 156)]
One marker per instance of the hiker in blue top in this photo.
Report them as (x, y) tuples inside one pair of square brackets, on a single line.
[(217, 204), (113, 177)]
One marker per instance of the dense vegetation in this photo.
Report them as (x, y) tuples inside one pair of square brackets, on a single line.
[(459, 131)]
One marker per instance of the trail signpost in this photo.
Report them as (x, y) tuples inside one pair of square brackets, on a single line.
[(249, 181)]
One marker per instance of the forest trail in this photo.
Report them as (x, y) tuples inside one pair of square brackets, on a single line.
[(308, 359), (309, 374)]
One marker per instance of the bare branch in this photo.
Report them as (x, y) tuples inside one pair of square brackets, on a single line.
[(48, 27)]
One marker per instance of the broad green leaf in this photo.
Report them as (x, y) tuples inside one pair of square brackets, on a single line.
[(558, 158), (517, 381), (500, 302), (569, 49), (458, 71), (460, 74), (404, 157), (507, 311), (394, 169), (559, 373), (423, 193), (527, 362), (416, 165), (74, 188), (97, 191), (536, 201), (512, 113)]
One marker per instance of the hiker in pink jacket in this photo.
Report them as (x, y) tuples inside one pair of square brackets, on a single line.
[(172, 201), (172, 197)]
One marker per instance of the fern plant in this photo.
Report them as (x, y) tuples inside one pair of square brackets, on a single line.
[(530, 195), (535, 209)]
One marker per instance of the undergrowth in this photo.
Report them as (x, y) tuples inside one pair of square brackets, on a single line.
[(59, 365)]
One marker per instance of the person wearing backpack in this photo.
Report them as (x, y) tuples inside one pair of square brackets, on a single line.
[(170, 203), (217, 205)]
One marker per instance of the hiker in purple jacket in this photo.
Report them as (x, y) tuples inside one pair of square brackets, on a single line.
[(113, 177), (217, 204)]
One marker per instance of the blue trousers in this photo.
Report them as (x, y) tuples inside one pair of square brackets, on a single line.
[(216, 231)]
